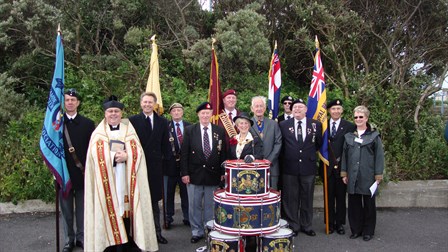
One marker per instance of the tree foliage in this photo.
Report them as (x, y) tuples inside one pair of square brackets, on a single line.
[(388, 55)]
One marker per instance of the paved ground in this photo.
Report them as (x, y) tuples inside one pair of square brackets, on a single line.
[(398, 229)]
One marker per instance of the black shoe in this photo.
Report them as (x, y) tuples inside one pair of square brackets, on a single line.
[(68, 247), (168, 225), (295, 233), (196, 239), (80, 244), (330, 230), (309, 232), (355, 235), (340, 230), (161, 239), (367, 237), (186, 222)]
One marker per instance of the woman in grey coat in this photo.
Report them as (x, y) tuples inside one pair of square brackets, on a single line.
[(362, 165)]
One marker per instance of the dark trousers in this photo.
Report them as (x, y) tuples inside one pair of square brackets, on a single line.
[(297, 201), (170, 183), (130, 246), (336, 201), (362, 214), (69, 211), (156, 214)]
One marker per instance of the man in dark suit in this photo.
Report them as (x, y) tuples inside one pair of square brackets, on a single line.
[(171, 172), (79, 130), (286, 101), (152, 130), (336, 188), (203, 152), (302, 138)]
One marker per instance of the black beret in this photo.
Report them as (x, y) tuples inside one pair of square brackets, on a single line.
[(334, 103), (287, 98), (204, 105), (112, 102), (244, 115), (298, 101), (72, 92)]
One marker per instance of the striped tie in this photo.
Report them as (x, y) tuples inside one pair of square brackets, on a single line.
[(207, 150)]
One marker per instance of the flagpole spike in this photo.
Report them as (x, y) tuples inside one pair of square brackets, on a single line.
[(275, 44), (213, 43), (153, 38), (59, 28), (316, 42)]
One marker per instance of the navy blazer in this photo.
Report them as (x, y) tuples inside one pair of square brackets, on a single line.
[(203, 171), (172, 167), (156, 147), (300, 159), (335, 147)]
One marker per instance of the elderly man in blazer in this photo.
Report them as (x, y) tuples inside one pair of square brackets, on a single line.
[(152, 130), (302, 138), (336, 188), (176, 128), (203, 152), (269, 132)]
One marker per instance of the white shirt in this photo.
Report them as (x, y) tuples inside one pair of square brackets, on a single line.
[(152, 119), (337, 125), (71, 117)]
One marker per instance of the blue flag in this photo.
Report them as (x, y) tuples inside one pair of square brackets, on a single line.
[(51, 140), (317, 102)]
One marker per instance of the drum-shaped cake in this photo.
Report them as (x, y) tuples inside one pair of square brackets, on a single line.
[(247, 216), (247, 179)]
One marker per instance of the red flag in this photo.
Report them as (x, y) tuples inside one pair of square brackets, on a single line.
[(214, 93)]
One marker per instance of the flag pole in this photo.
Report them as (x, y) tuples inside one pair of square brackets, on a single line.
[(57, 188), (327, 222)]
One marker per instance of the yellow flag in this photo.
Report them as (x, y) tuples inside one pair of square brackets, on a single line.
[(153, 84)]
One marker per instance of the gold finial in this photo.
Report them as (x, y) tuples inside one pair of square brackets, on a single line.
[(213, 43), (153, 38), (316, 42)]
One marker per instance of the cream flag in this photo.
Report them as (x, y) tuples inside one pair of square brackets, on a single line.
[(153, 84)]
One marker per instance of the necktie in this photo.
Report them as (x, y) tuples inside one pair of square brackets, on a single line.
[(333, 130), (149, 124), (207, 150), (230, 116), (179, 134), (299, 132), (288, 117)]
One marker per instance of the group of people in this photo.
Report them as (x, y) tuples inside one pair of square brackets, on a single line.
[(129, 165)]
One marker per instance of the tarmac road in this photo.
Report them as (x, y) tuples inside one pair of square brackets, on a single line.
[(398, 229)]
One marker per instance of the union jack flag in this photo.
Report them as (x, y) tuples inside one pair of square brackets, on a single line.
[(275, 83), (317, 102)]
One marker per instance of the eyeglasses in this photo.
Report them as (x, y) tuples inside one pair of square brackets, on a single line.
[(360, 117), (287, 103)]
